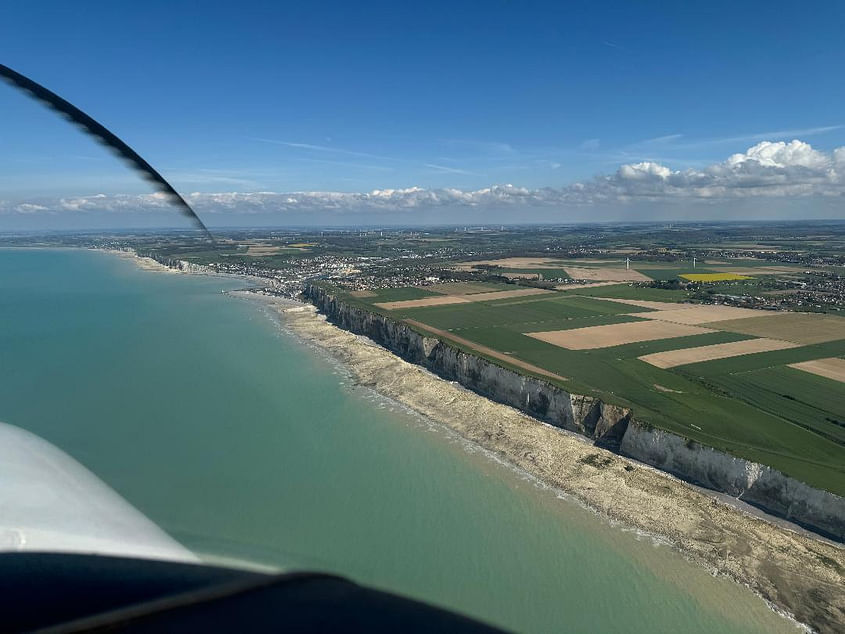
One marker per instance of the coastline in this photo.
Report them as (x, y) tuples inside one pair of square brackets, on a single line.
[(798, 575), (143, 263), (146, 263)]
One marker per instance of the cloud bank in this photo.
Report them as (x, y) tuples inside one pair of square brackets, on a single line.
[(768, 170)]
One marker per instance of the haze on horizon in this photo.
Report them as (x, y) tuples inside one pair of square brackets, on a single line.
[(330, 114)]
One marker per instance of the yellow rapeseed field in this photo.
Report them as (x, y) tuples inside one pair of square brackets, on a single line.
[(713, 277)]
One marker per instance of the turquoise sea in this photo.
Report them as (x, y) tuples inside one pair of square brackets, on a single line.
[(244, 443)]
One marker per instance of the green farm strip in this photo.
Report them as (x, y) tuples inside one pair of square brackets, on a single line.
[(626, 291), (401, 294), (809, 401)]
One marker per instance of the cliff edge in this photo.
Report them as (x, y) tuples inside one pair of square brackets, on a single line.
[(609, 426)]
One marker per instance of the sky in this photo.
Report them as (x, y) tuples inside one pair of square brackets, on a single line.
[(274, 113)]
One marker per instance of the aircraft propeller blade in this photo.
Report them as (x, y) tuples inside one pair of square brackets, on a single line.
[(103, 135)]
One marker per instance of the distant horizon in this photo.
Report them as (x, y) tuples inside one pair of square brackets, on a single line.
[(770, 180), (428, 226), (381, 114)]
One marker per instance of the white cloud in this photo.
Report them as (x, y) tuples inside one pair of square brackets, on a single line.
[(766, 170), (646, 171), (795, 153), (30, 208)]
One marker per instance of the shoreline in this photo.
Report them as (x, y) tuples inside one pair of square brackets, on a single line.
[(143, 263), (799, 575), (146, 263)]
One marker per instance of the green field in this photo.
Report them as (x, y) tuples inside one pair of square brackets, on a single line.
[(522, 315), (472, 288), (764, 360), (811, 401), (559, 301), (751, 406), (634, 350), (400, 294), (628, 291)]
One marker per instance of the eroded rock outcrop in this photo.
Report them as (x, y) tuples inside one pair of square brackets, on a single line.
[(757, 484)]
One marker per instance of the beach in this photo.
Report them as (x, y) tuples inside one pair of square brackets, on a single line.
[(143, 263)]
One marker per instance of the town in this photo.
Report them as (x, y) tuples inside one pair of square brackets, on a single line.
[(792, 266)]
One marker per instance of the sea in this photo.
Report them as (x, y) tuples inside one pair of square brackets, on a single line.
[(250, 447)]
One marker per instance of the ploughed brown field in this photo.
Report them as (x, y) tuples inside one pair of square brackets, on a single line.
[(572, 287), (647, 303), (803, 328), (705, 314), (672, 358), (605, 274), (460, 299), (259, 250), (832, 368), (616, 334)]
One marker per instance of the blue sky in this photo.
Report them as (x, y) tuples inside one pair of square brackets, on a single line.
[(358, 96)]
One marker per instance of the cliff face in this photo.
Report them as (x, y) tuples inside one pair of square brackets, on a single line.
[(609, 426), (585, 415), (751, 482), (184, 265)]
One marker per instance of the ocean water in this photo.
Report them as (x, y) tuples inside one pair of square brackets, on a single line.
[(244, 443)]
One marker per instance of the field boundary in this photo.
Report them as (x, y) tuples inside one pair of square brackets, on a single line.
[(686, 356), (608, 336), (490, 352), (831, 368)]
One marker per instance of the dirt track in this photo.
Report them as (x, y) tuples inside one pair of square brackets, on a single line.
[(442, 300), (573, 287), (490, 352)]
